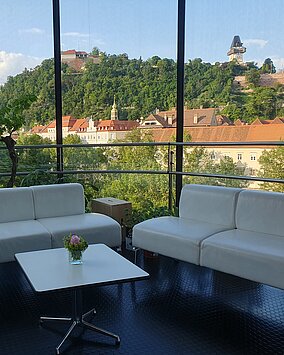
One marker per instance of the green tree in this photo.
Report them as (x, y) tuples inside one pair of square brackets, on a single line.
[(199, 160), (261, 104), (271, 166), (147, 193), (95, 51), (232, 111), (268, 67), (226, 166), (253, 77), (82, 158), (12, 119), (34, 159)]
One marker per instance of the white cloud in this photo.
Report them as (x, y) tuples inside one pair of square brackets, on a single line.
[(33, 30), (261, 43), (76, 34), (14, 63), (278, 62)]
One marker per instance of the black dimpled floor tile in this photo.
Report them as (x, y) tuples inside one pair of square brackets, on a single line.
[(181, 309)]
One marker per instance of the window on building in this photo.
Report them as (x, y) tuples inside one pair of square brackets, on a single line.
[(240, 156), (253, 156)]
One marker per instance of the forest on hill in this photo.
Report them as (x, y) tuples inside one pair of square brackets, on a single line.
[(141, 86)]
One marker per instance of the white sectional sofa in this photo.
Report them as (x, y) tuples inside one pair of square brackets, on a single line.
[(38, 217), (236, 231)]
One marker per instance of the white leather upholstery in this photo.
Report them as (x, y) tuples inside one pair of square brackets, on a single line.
[(173, 236), (58, 200), (22, 236), (261, 211), (16, 204), (94, 227), (38, 217), (212, 204), (252, 255), (204, 210)]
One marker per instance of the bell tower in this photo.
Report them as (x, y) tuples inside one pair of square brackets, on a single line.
[(114, 111), (236, 50)]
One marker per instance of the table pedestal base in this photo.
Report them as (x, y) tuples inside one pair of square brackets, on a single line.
[(79, 319)]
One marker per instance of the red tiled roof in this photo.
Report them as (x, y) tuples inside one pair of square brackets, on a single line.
[(246, 133), (67, 121), (73, 51), (117, 125), (158, 118), (76, 64), (69, 51), (203, 116), (51, 124), (258, 121), (37, 129), (81, 52), (238, 122), (278, 120), (80, 124)]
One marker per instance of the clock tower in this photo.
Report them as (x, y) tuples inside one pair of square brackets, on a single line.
[(236, 50)]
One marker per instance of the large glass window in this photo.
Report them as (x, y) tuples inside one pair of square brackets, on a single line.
[(26, 79), (119, 73), (234, 82)]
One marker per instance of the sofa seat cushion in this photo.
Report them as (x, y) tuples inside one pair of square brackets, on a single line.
[(255, 256), (22, 236), (94, 227), (176, 237)]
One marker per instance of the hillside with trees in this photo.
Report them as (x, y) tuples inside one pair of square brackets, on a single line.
[(141, 86)]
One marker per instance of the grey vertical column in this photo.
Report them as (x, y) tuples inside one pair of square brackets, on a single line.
[(180, 95), (58, 91)]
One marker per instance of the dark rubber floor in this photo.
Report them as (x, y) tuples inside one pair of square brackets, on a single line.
[(181, 309)]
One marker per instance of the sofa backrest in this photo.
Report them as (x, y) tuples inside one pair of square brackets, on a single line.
[(261, 211), (58, 200), (16, 204), (212, 204)]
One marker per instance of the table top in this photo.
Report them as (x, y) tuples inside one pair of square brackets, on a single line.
[(50, 269)]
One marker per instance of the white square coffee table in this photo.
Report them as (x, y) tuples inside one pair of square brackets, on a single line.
[(50, 270)]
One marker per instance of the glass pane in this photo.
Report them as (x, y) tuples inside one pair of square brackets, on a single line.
[(118, 73), (26, 79), (234, 85)]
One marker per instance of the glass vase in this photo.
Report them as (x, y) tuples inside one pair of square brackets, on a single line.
[(76, 257)]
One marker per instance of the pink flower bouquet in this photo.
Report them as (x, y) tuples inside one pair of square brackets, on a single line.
[(76, 245)]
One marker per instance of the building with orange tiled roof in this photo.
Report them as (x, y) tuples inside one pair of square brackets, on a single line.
[(37, 129), (192, 118), (244, 156), (78, 59), (88, 130), (49, 131)]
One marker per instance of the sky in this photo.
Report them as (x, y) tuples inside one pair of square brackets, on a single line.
[(140, 28)]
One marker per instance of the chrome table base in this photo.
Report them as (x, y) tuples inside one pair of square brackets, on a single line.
[(79, 319)]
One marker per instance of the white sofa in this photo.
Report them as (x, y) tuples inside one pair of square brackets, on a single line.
[(38, 217), (236, 231)]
